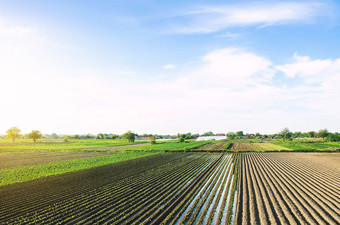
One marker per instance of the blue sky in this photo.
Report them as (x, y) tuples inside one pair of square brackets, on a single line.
[(167, 67)]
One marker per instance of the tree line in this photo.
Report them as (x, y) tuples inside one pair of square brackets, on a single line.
[(285, 134)]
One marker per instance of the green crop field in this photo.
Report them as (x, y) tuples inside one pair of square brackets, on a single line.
[(72, 145), (24, 161), (172, 146), (9, 176), (309, 145)]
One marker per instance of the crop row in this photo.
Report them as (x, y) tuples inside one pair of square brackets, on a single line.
[(147, 194), (20, 199), (275, 188), (209, 201)]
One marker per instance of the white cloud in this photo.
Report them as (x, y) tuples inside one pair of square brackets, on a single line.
[(230, 35), (169, 66), (228, 89), (303, 66), (320, 82), (232, 66), (7, 29), (208, 19)]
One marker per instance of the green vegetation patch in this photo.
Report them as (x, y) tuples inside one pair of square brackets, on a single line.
[(171, 146), (10, 176), (70, 146), (309, 146)]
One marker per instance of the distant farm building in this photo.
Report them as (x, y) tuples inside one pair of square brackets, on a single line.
[(207, 138)]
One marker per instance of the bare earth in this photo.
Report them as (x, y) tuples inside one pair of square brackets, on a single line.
[(288, 188), (213, 146)]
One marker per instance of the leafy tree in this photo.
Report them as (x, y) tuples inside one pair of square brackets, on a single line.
[(153, 140), (239, 133), (115, 136), (100, 136), (323, 133), (88, 136), (188, 136), (333, 137), (54, 136), (66, 139), (181, 138), (285, 134), (76, 136), (13, 132), (231, 135), (297, 134), (207, 134), (130, 136), (195, 136), (311, 134), (35, 135)]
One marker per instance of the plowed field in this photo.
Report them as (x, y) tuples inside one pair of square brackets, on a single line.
[(148, 190), (256, 147), (287, 188)]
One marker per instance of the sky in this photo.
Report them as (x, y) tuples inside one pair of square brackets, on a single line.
[(168, 67)]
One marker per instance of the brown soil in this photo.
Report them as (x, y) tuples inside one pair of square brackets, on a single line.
[(239, 146), (213, 146), (289, 188)]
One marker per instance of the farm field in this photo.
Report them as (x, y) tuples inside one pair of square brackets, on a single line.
[(307, 146), (151, 190), (27, 161), (256, 147), (214, 146), (72, 145), (288, 188), (169, 183), (27, 158)]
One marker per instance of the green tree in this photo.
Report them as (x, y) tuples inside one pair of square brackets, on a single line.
[(130, 136), (333, 137), (181, 138), (311, 134), (323, 133), (239, 133), (297, 134), (54, 136), (35, 135), (285, 134), (207, 134), (231, 135), (13, 132), (153, 140)]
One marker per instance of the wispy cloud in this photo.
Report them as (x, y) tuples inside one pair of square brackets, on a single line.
[(230, 35), (169, 67), (208, 19), (8, 29)]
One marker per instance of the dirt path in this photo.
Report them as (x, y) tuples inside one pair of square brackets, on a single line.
[(117, 147)]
